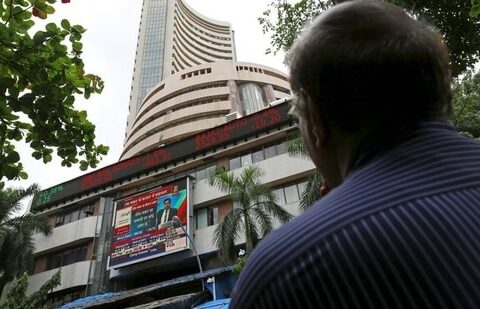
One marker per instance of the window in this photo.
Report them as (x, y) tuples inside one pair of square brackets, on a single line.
[(67, 218), (206, 217), (257, 156), (235, 163), (281, 148), (251, 96), (200, 174), (301, 187), (210, 170), (270, 152), (291, 194), (67, 257), (246, 159), (280, 196)]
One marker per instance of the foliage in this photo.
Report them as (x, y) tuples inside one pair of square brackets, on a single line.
[(284, 20), (239, 264), (475, 11), (16, 243), (39, 78), (466, 104), (17, 298), (254, 206)]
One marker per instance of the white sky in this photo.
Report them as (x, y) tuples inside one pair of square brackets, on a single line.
[(109, 49)]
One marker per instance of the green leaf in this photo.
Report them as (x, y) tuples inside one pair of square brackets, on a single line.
[(23, 175), (51, 28), (65, 24), (475, 11), (47, 158), (77, 46), (37, 155), (6, 82), (79, 29), (49, 9), (12, 157), (10, 172)]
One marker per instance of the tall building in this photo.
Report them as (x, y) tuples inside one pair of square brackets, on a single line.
[(173, 37), (193, 108)]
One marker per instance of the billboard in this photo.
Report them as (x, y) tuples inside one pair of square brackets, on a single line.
[(144, 226)]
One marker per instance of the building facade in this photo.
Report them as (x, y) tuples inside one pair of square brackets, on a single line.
[(84, 210)]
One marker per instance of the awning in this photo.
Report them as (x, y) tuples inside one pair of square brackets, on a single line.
[(108, 299)]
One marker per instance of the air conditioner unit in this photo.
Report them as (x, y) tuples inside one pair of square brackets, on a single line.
[(232, 116)]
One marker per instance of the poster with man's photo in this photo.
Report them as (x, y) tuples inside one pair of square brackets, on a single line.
[(150, 224)]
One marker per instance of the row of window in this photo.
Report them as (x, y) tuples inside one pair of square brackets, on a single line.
[(258, 154), (200, 172), (181, 29), (196, 73), (181, 52), (215, 28), (67, 257), (258, 70), (206, 170), (74, 215), (286, 194)]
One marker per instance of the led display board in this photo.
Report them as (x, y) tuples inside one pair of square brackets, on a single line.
[(230, 132), (145, 227)]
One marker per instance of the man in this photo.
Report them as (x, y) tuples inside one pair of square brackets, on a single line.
[(400, 227), (166, 214)]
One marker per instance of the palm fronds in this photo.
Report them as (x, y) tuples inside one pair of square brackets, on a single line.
[(256, 205)]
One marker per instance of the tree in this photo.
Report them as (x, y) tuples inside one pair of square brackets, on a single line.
[(254, 206), (40, 76), (16, 243), (475, 11), (17, 298), (466, 104), (284, 20)]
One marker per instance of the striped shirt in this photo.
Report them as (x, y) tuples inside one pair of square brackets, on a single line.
[(403, 231)]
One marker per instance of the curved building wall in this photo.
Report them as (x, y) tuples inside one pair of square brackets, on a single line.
[(173, 37), (200, 98)]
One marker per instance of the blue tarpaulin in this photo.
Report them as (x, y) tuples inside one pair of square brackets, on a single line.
[(215, 304)]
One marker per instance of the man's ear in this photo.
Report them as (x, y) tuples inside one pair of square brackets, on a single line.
[(317, 128)]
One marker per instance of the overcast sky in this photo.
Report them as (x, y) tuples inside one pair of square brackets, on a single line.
[(109, 49)]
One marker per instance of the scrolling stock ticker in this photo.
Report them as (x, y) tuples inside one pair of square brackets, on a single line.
[(246, 126)]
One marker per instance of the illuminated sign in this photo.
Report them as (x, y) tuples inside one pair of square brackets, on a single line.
[(144, 226), (240, 128)]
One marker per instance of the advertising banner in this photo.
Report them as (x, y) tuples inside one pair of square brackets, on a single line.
[(145, 225)]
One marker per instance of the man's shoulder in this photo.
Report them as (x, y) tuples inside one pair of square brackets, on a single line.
[(436, 161)]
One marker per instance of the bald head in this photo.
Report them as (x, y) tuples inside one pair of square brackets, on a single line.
[(368, 65)]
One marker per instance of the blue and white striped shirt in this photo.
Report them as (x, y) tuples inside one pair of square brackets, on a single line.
[(403, 231)]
